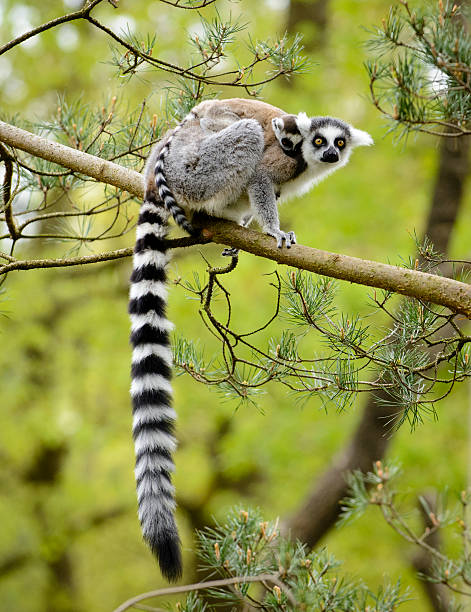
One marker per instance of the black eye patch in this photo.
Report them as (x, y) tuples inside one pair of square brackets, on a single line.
[(286, 143), (340, 142), (319, 141)]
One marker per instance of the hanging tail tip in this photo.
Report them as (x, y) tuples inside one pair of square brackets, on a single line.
[(166, 547)]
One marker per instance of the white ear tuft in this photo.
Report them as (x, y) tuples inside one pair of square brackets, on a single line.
[(278, 126), (304, 124), (361, 138)]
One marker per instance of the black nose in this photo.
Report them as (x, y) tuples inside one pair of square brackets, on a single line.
[(330, 156)]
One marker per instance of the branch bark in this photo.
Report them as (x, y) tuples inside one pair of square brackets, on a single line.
[(439, 290), (428, 287), (84, 163), (8, 160), (210, 584)]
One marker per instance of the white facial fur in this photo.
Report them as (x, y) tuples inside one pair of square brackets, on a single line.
[(278, 126), (314, 155), (309, 130), (317, 168)]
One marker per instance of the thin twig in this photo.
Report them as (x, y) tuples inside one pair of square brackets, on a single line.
[(32, 264), (211, 584), (81, 14)]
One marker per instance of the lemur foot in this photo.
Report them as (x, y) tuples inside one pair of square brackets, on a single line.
[(288, 237), (230, 252)]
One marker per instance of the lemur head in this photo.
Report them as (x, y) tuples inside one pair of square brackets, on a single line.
[(319, 140), (288, 134)]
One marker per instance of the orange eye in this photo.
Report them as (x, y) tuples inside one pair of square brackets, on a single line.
[(340, 143), (318, 142)]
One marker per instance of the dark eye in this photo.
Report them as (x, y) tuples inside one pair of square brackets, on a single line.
[(318, 141), (340, 143), (286, 143)]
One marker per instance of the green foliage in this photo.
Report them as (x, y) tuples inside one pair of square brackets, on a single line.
[(213, 60), (247, 549), (182, 97), (420, 77), (110, 132), (284, 54), (359, 483), (65, 357), (306, 299), (138, 47), (379, 488), (407, 368)]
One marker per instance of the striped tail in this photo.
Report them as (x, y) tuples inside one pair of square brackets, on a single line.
[(161, 182), (151, 391)]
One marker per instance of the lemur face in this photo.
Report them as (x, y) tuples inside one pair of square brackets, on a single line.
[(288, 135), (328, 142), (320, 140)]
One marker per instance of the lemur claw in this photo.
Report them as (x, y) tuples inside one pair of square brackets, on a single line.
[(288, 237)]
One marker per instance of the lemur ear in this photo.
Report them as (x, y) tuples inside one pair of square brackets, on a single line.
[(278, 126), (304, 124), (361, 138)]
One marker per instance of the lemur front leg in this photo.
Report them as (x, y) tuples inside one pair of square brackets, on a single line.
[(262, 197)]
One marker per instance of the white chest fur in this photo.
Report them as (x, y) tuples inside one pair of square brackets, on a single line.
[(307, 179)]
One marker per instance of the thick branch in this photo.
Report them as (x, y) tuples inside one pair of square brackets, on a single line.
[(89, 165), (443, 291), (428, 287)]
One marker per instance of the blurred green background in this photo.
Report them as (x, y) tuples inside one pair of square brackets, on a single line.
[(69, 535)]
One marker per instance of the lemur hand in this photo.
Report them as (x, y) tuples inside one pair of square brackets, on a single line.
[(288, 237)]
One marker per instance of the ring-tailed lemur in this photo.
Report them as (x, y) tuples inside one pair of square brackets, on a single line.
[(232, 159)]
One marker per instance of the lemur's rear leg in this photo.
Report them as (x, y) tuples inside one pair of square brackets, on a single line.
[(211, 170)]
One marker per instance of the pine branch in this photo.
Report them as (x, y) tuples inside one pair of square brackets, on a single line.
[(34, 264), (81, 14), (187, 588), (428, 287)]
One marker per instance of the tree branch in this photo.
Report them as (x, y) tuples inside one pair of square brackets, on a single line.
[(33, 264), (89, 165), (423, 561), (428, 287), (7, 159), (83, 12), (211, 584)]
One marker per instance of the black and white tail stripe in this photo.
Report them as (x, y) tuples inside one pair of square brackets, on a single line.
[(161, 182), (151, 391)]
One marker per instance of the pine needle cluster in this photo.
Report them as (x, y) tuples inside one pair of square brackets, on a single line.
[(418, 526), (421, 77), (414, 362), (250, 565)]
